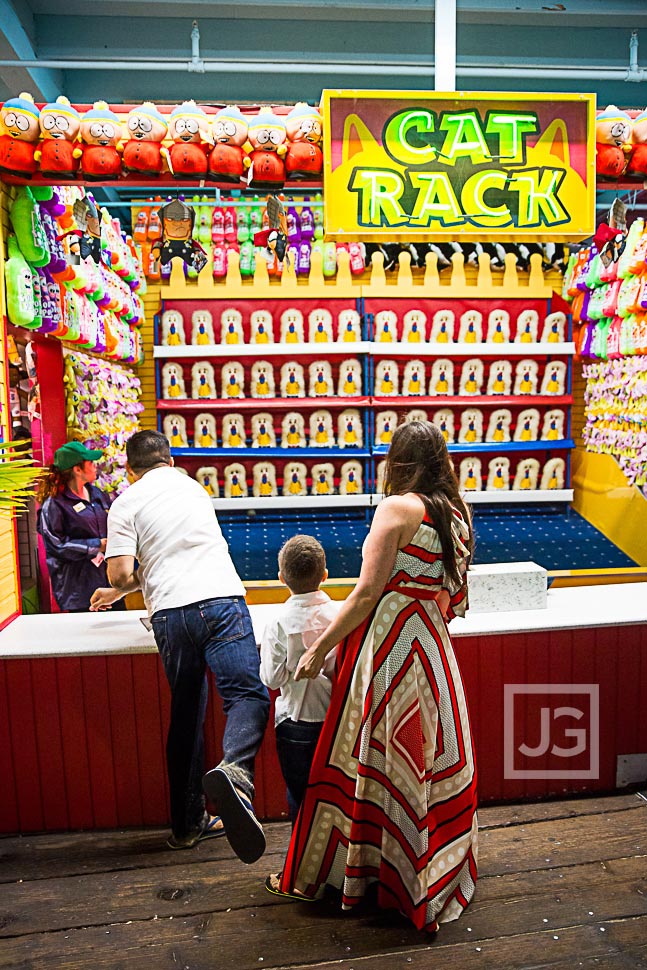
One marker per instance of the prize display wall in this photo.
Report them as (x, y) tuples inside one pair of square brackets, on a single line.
[(284, 394)]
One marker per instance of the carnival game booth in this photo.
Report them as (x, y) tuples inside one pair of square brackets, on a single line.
[(279, 384)]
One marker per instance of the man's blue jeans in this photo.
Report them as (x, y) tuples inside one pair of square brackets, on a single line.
[(216, 633)]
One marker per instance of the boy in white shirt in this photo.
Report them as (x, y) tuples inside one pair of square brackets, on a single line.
[(301, 707)]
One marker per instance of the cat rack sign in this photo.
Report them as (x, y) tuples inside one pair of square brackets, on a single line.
[(470, 166)]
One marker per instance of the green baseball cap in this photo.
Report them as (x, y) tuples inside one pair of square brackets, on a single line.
[(75, 453)]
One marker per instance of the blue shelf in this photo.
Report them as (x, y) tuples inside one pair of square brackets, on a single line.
[(497, 446), (258, 454)]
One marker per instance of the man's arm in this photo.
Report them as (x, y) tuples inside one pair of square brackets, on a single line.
[(122, 574)]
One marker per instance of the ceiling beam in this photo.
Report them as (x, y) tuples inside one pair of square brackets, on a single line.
[(15, 44)]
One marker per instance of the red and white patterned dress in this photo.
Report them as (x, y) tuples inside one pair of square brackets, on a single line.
[(392, 792)]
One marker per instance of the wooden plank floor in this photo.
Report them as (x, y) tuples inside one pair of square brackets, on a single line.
[(562, 885)]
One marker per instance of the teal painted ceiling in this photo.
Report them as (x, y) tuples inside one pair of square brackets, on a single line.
[(287, 50)]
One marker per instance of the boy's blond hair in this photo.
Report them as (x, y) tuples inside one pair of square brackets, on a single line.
[(302, 563)]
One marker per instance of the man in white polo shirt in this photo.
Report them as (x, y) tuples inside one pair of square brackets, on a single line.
[(164, 537)]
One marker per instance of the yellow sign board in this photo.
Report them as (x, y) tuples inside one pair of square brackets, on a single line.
[(468, 166)]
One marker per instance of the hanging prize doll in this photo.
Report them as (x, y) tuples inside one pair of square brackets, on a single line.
[(267, 135), (178, 220), (101, 136), (226, 162), (275, 237), (59, 152), (304, 157), (146, 131), (18, 144), (88, 221), (192, 140)]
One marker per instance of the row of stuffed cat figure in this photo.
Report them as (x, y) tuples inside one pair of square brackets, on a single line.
[(526, 477), (292, 382), (350, 433), (387, 328), (295, 479), (261, 327), (59, 141)]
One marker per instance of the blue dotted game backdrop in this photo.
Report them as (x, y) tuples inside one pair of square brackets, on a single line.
[(551, 536)]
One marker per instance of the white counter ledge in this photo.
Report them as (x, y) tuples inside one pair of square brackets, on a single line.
[(96, 634)]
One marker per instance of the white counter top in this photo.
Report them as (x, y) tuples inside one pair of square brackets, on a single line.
[(96, 634)]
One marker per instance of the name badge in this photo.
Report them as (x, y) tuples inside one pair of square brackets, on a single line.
[(79, 507)]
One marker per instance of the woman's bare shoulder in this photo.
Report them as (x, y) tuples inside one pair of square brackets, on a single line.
[(406, 507)]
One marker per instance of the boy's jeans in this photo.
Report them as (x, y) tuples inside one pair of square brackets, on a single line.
[(296, 743), (216, 633)]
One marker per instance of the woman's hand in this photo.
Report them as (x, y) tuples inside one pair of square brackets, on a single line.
[(311, 662), (102, 545), (103, 598)]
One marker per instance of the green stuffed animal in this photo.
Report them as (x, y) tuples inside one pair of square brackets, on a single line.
[(26, 222), (20, 293)]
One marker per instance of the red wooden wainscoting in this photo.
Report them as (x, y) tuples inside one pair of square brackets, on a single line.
[(82, 740)]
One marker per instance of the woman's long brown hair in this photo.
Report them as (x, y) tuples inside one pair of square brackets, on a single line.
[(418, 461), (52, 483)]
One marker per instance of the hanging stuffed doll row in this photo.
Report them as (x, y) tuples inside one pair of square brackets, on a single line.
[(229, 146), (297, 479), (616, 414), (621, 142), (350, 433), (72, 274)]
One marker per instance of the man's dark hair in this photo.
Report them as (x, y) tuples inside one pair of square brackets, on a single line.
[(302, 562), (146, 449)]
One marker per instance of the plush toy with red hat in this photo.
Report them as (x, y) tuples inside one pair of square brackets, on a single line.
[(304, 158), (192, 140), (101, 136), (638, 158), (267, 136), (21, 132), (147, 130), (226, 162), (613, 141), (59, 151)]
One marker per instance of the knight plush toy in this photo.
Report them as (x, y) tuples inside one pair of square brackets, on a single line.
[(21, 132), (101, 136), (147, 130), (178, 220), (59, 152), (267, 136), (192, 140), (226, 162), (304, 158)]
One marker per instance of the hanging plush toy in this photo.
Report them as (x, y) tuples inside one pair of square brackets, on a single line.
[(638, 158), (613, 141), (192, 140), (19, 289), (177, 221), (226, 162), (267, 136), (101, 136), (58, 153), (18, 144), (304, 158), (88, 221), (147, 130)]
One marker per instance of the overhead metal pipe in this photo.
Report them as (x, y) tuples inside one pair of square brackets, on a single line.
[(332, 68)]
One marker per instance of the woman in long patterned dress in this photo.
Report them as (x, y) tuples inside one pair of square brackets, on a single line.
[(392, 793)]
